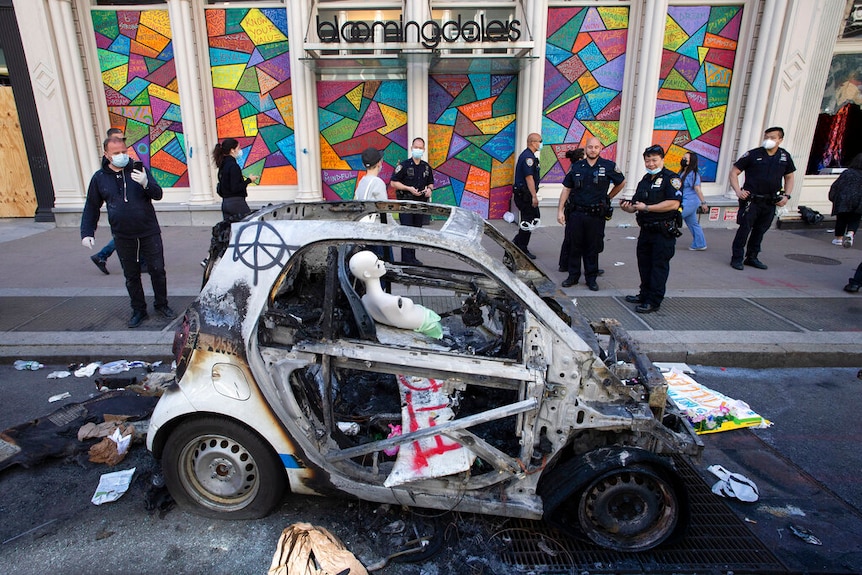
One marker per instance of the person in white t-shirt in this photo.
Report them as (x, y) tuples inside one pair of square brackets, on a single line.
[(372, 189)]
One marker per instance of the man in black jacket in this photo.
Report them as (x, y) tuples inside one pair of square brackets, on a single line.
[(128, 194)]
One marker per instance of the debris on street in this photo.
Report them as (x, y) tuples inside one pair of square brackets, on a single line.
[(22, 365), (733, 485), (304, 549), (59, 396), (804, 534), (112, 449), (112, 486)]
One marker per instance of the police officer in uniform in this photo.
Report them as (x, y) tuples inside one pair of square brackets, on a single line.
[(657, 203), (413, 180), (584, 205), (525, 190), (764, 168)]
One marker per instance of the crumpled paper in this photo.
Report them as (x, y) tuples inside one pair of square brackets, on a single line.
[(112, 486)]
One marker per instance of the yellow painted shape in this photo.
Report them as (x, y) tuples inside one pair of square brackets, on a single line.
[(249, 126), (157, 20), (164, 94), (587, 82), (161, 142), (701, 54), (260, 29), (439, 140), (354, 96), (116, 77), (710, 118), (494, 125), (393, 117), (614, 18), (285, 108), (502, 174), (329, 160), (152, 39), (674, 35), (227, 77)]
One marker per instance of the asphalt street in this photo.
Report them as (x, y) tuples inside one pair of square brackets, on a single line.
[(805, 465)]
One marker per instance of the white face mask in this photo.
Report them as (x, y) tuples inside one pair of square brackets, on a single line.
[(768, 144), (120, 160), (238, 154), (416, 153), (654, 171)]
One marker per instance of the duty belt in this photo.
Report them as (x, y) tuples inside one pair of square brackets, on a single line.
[(597, 210)]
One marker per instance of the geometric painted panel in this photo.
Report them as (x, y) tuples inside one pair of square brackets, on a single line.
[(700, 45), (250, 67), (136, 58), (585, 61), (471, 131), (355, 115)]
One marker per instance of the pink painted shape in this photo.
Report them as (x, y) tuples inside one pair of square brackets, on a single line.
[(159, 107), (137, 67), (723, 58), (697, 101), (592, 21), (330, 91), (474, 203), (103, 41), (372, 120), (456, 145), (565, 114), (713, 137), (227, 101), (576, 131), (557, 17), (259, 151), (455, 169), (612, 43), (731, 30)]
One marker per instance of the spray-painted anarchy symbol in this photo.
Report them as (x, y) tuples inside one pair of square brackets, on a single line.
[(260, 247)]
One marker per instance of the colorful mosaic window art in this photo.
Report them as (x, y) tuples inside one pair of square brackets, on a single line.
[(250, 66), (353, 116), (137, 64), (700, 45), (471, 128), (585, 60)]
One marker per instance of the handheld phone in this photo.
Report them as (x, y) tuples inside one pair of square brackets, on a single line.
[(139, 166)]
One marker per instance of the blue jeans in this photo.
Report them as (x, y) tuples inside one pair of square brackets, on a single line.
[(689, 215), (106, 251)]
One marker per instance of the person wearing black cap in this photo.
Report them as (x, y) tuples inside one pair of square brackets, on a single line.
[(656, 202), (371, 187)]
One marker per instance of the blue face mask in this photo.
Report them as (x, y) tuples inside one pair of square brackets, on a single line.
[(417, 153), (653, 171), (120, 160)]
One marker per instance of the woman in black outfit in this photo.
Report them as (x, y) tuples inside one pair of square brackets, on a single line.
[(231, 183)]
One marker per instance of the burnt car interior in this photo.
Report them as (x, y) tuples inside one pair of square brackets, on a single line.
[(317, 302)]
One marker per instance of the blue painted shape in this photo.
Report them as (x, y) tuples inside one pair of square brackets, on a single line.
[(221, 57), (287, 147), (325, 118), (691, 45), (168, 53), (552, 132), (458, 189), (176, 150), (173, 114), (700, 81), (278, 16), (121, 45), (592, 57), (448, 117), (135, 87), (672, 121), (501, 146), (289, 461), (393, 93), (556, 55), (600, 97)]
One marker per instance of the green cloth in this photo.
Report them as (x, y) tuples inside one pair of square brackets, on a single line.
[(431, 325)]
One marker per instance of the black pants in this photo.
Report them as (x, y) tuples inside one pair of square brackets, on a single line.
[(654, 252), (857, 277), (754, 219), (528, 213), (131, 252), (236, 206), (846, 222), (415, 221), (585, 235)]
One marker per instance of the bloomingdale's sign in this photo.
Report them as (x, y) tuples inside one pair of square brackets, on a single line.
[(430, 33)]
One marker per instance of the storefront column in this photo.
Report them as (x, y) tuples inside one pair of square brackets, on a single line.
[(81, 159), (201, 185), (304, 88), (531, 78), (653, 13), (417, 79)]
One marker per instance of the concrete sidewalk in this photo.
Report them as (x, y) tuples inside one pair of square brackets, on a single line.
[(55, 304)]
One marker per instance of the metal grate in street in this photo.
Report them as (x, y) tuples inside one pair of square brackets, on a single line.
[(717, 542)]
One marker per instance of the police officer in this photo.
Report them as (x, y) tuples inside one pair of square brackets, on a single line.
[(657, 202), (525, 190), (764, 168), (584, 203), (413, 180)]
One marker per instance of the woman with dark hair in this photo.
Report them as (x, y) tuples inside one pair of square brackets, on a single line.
[(846, 197), (231, 183), (692, 200)]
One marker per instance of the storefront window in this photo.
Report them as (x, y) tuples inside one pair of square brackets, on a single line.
[(700, 45), (355, 115), (471, 128), (140, 80), (249, 56), (584, 71)]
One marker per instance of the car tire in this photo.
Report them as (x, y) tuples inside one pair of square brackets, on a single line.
[(218, 468), (632, 508)]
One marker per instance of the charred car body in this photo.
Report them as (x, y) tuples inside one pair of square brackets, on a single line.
[(521, 409)]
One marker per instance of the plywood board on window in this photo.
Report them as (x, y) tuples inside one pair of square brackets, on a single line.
[(17, 194)]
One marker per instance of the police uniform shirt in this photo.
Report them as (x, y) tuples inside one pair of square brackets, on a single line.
[(588, 184), (527, 165), (652, 190), (764, 173), (413, 175)]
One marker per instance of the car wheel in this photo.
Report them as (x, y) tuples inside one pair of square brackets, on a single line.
[(215, 467), (629, 509)]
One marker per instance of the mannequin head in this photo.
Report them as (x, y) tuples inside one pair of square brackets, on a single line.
[(365, 265)]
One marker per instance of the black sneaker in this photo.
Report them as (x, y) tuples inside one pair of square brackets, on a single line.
[(646, 308), (100, 263), (530, 254), (755, 263), (593, 286), (737, 265), (634, 299), (569, 281), (137, 318), (166, 311)]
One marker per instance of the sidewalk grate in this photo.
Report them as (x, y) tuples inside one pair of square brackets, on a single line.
[(85, 313), (713, 314), (717, 541), (818, 314)]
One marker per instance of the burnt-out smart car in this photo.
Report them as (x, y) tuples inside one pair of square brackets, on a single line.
[(515, 407)]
